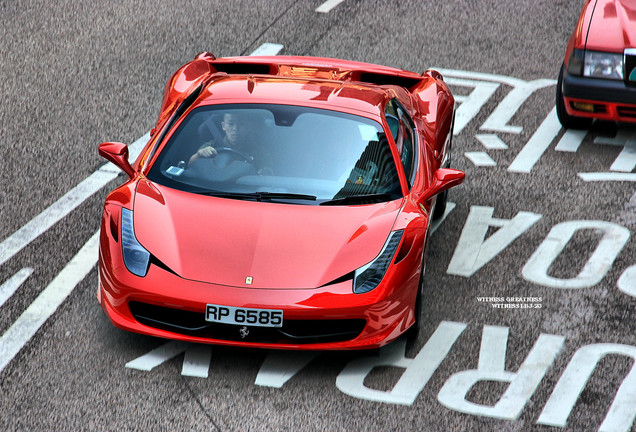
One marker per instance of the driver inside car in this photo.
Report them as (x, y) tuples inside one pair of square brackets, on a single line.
[(237, 138)]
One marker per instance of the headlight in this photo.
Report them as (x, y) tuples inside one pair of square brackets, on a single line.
[(603, 65), (368, 277), (136, 257)]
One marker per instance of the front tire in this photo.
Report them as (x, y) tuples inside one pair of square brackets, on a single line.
[(414, 330)]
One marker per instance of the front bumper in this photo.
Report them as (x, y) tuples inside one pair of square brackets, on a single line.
[(611, 100), (165, 305)]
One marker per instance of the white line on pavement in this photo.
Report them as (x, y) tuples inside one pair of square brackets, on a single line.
[(538, 144), (327, 6), (608, 176), (47, 302), (56, 292), (80, 193), (63, 206), (480, 159), (9, 287), (267, 49)]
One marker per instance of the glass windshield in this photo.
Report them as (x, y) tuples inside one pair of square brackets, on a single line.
[(279, 153)]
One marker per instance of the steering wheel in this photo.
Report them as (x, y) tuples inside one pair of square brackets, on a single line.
[(226, 155), (228, 165)]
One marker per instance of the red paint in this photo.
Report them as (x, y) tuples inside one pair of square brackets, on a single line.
[(299, 256)]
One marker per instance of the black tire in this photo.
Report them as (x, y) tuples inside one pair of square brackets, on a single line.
[(440, 202), (440, 205), (414, 330), (568, 121)]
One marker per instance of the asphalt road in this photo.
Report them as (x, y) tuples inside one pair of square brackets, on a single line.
[(529, 321)]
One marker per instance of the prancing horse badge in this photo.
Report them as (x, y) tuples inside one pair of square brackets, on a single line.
[(248, 280)]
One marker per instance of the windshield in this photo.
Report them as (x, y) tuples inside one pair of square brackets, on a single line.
[(279, 153)]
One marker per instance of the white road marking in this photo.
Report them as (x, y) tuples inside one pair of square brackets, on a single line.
[(418, 370), (474, 250), (622, 412), (63, 206), (280, 366), (267, 49), (480, 159), (327, 6), (9, 287), (436, 223), (608, 176), (47, 302), (571, 140), (491, 142), (538, 144), (491, 367), (56, 211), (508, 107), (471, 104), (196, 362), (159, 355), (594, 268), (627, 282), (80, 193), (56, 292), (626, 138)]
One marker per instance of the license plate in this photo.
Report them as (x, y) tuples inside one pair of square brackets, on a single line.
[(244, 316)]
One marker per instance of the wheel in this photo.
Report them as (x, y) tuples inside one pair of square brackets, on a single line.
[(568, 121), (440, 202), (414, 330), (440, 205)]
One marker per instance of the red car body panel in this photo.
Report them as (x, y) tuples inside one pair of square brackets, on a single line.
[(384, 309), (297, 257), (603, 26), (277, 245), (613, 26)]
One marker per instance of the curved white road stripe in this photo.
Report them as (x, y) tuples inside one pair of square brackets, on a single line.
[(47, 302)]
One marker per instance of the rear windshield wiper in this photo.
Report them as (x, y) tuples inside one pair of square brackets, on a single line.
[(361, 199), (258, 196)]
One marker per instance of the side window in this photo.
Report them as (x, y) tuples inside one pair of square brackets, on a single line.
[(402, 130)]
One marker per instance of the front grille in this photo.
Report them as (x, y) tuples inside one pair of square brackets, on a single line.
[(293, 331), (624, 111)]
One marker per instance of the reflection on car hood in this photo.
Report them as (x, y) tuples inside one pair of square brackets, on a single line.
[(613, 26), (224, 241)]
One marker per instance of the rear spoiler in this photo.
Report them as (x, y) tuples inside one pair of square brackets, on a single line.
[(317, 67)]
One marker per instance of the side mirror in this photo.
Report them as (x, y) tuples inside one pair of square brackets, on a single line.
[(445, 178), (117, 153)]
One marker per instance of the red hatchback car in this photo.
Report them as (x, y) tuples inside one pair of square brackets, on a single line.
[(598, 77), (281, 202)]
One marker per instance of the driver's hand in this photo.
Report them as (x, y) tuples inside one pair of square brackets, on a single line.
[(206, 152)]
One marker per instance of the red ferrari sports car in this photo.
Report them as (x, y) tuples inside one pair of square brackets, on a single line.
[(598, 78), (281, 202)]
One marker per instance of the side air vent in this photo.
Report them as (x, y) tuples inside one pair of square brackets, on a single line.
[(382, 79), (243, 68)]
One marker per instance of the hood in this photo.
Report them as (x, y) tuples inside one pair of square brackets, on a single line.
[(224, 241), (612, 26)]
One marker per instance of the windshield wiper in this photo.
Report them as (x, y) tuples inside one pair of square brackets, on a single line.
[(361, 199), (258, 196)]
